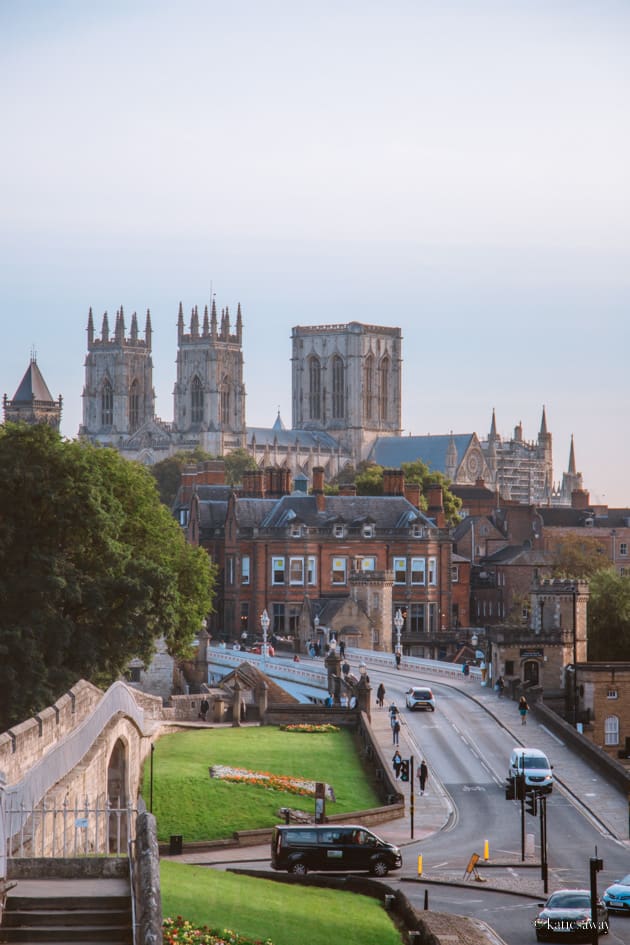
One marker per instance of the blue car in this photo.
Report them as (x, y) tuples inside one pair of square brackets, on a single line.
[(617, 896)]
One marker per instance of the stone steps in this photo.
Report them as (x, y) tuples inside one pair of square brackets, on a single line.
[(63, 918)]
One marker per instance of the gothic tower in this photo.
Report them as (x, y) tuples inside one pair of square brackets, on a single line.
[(347, 381), (118, 397), (32, 401), (209, 394)]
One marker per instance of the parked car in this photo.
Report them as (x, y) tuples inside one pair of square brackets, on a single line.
[(567, 914), (420, 697), (335, 847), (617, 897)]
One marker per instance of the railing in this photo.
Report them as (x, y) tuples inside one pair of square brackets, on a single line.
[(69, 830)]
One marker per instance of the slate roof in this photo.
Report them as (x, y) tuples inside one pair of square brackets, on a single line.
[(250, 677), (391, 451), (382, 511), (518, 554), (307, 439), (32, 387)]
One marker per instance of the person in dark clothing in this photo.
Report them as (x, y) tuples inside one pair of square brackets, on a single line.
[(342, 649), (396, 731), (523, 709), (398, 658), (380, 695), (345, 668), (203, 709), (423, 774), (397, 761)]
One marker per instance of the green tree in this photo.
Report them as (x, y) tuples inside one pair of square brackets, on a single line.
[(168, 472), (93, 569), (609, 616), (369, 481), (578, 556)]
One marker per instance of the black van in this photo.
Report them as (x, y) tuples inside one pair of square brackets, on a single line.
[(332, 847)]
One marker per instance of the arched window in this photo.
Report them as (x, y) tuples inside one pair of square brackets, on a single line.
[(338, 398), (225, 402), (368, 386), (383, 391), (314, 389), (107, 405), (611, 730), (134, 407), (196, 401)]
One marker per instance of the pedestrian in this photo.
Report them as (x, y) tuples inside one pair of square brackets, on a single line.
[(500, 686), (345, 668), (523, 709), (396, 731), (342, 649), (466, 670), (380, 695), (397, 761), (423, 774), (393, 713), (203, 709), (398, 657)]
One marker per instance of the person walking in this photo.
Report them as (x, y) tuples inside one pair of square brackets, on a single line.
[(500, 686), (466, 670), (396, 731), (523, 709), (398, 659), (397, 761), (203, 709), (393, 714), (342, 649), (423, 774), (380, 695)]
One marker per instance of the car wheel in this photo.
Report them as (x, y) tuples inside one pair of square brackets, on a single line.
[(379, 868), (298, 869), (432, 708)]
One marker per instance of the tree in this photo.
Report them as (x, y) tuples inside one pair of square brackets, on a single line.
[(609, 616), (369, 481), (93, 569), (578, 556), (168, 472)]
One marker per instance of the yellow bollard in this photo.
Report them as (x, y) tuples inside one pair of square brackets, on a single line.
[(420, 865), (486, 850)]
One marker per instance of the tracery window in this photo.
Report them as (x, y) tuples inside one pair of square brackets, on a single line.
[(315, 389), (134, 407), (107, 405), (368, 386), (383, 392), (338, 398), (196, 400)]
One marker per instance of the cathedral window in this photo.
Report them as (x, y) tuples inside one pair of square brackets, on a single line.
[(368, 386), (383, 392), (225, 402), (338, 398), (107, 405), (196, 401), (315, 389), (134, 407)]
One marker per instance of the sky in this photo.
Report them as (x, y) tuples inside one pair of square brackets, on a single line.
[(458, 168)]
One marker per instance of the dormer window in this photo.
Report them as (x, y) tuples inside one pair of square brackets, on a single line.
[(296, 531), (338, 531), (368, 531), (417, 531)]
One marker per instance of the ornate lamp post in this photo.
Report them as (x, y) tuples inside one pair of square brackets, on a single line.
[(264, 623), (398, 623)]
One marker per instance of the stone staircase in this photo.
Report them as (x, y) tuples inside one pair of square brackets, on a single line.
[(70, 911)]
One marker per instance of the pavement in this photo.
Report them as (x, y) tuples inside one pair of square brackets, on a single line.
[(603, 802)]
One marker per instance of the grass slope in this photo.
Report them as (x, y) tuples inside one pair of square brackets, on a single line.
[(187, 801), (288, 915)]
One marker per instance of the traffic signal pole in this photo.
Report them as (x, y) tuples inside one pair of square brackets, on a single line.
[(412, 797)]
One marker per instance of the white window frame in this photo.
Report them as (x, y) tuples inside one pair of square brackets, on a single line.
[(612, 694), (339, 566), (277, 567), (454, 574), (296, 531), (432, 569), (623, 549), (419, 566), (417, 531), (339, 531), (399, 564), (368, 531), (296, 571), (367, 563), (245, 574), (311, 570), (611, 730)]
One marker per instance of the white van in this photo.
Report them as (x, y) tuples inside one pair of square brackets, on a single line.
[(534, 765)]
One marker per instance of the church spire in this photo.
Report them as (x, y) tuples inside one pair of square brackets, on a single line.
[(134, 328), (180, 322), (493, 427), (213, 319), (105, 328), (148, 332), (194, 323), (572, 469), (206, 323), (90, 328), (239, 324), (543, 423)]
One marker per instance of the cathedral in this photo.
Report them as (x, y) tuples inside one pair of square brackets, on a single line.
[(346, 407)]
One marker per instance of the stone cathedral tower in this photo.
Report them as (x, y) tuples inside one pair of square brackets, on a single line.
[(118, 396), (209, 392), (347, 381)]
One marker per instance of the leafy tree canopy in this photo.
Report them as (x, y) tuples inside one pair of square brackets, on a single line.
[(168, 472), (578, 556), (609, 616), (93, 569), (369, 481)]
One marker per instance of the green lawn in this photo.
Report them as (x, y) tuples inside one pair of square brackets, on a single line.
[(260, 908), (187, 801)]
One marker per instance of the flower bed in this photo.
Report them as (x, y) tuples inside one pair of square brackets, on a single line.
[(325, 727), (280, 782), (180, 931)]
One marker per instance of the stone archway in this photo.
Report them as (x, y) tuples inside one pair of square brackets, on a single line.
[(117, 797), (531, 672)]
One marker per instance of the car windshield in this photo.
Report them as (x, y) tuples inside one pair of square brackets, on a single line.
[(569, 900), (625, 881), (535, 763), (421, 694)]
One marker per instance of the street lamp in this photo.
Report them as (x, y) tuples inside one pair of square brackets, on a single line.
[(264, 623), (398, 623)]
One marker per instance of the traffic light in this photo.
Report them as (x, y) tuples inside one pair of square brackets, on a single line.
[(404, 770), (510, 792), (531, 803)]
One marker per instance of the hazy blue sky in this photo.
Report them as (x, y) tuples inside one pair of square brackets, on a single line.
[(460, 169)]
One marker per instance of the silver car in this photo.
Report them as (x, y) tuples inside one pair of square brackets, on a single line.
[(567, 915), (420, 697)]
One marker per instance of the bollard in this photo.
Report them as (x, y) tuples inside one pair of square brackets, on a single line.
[(420, 865), (486, 850), (426, 899)]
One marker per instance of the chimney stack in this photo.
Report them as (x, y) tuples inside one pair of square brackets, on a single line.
[(318, 487), (580, 499), (435, 501)]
